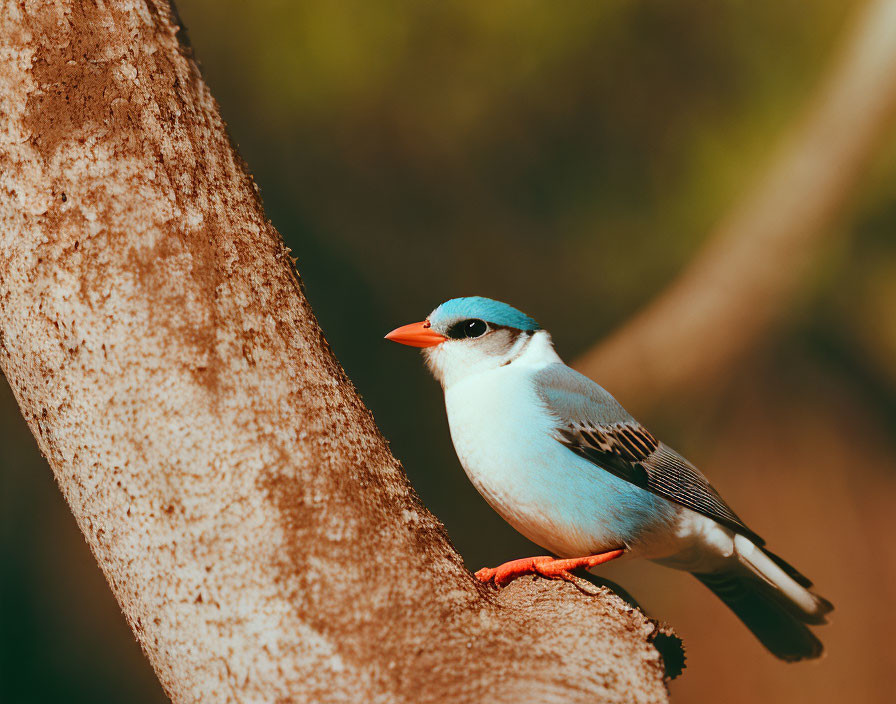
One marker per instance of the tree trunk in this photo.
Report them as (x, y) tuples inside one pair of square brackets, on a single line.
[(262, 541)]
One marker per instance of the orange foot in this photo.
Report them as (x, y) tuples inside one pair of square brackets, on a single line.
[(546, 566)]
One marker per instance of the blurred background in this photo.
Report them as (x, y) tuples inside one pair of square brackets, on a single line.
[(570, 158)]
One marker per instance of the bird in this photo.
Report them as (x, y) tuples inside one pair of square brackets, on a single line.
[(567, 466)]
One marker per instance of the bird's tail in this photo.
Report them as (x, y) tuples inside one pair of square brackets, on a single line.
[(772, 599)]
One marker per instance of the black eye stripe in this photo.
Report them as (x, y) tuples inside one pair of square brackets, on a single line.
[(471, 328)]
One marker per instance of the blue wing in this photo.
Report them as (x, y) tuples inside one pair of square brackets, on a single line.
[(593, 424)]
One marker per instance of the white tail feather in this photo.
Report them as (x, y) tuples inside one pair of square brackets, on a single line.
[(799, 598)]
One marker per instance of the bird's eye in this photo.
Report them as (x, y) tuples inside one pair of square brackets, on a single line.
[(474, 328), (468, 329)]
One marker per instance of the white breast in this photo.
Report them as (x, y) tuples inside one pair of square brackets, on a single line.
[(504, 438), (500, 440)]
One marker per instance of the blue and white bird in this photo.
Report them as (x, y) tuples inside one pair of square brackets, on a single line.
[(567, 466)]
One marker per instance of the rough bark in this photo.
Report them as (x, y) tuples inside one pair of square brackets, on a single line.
[(736, 288), (262, 541)]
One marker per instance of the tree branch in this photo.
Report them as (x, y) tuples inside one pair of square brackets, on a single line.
[(261, 540), (735, 289)]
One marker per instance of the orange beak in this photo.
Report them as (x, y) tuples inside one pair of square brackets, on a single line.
[(416, 335)]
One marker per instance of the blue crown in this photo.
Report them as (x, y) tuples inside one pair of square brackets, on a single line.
[(485, 309)]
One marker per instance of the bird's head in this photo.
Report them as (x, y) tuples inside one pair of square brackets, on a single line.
[(465, 336)]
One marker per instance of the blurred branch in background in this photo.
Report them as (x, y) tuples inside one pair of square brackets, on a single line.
[(806, 456), (733, 292)]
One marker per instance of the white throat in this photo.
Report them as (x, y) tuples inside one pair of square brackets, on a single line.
[(453, 361), (538, 353)]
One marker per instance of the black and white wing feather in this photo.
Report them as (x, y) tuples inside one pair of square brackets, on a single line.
[(593, 425)]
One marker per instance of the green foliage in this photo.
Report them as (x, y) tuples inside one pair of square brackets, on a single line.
[(540, 152)]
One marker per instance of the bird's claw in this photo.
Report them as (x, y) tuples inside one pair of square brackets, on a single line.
[(544, 566), (502, 575)]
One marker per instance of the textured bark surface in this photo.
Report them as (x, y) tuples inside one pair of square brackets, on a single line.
[(262, 541)]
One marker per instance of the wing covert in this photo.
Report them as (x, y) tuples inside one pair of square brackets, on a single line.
[(593, 425)]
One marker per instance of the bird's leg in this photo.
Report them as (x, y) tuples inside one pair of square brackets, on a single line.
[(543, 565)]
